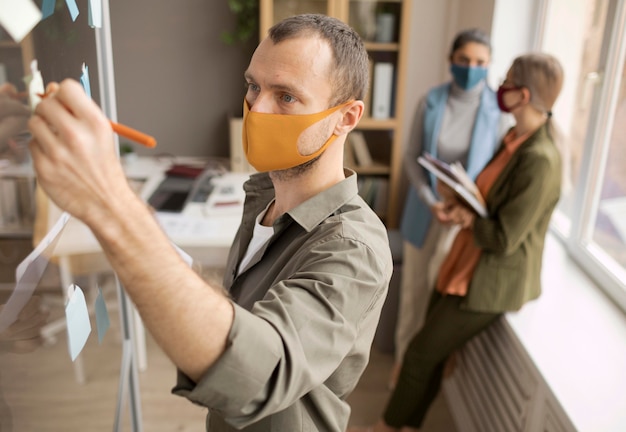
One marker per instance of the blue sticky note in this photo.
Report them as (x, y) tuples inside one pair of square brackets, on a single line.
[(102, 316), (95, 13), (78, 326), (84, 80), (71, 5), (47, 8)]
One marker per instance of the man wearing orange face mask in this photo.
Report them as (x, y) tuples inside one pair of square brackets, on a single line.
[(309, 268)]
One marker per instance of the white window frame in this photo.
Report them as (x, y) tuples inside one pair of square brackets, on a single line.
[(609, 275)]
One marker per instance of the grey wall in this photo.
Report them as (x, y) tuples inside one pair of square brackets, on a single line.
[(176, 80), (174, 77)]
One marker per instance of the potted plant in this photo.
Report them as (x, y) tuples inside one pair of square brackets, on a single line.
[(246, 24), (246, 27), (127, 153)]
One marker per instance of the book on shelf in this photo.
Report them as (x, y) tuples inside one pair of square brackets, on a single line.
[(359, 148), (381, 199), (348, 155), (375, 192), (455, 176), (382, 90)]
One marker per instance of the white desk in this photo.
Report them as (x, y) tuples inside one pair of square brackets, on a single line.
[(205, 236), (208, 244)]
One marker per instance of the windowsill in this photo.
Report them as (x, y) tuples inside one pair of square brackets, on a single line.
[(576, 338)]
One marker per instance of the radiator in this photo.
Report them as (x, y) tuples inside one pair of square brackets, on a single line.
[(494, 387)]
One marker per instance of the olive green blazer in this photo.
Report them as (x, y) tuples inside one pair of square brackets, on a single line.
[(520, 204)]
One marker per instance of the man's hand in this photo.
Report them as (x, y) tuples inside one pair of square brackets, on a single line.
[(73, 153), (13, 114), (23, 335)]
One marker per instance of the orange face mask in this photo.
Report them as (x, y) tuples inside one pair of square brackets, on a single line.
[(270, 141)]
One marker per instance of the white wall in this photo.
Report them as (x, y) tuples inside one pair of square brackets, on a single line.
[(427, 52), (514, 32), (566, 43), (433, 27), (175, 78), (512, 24)]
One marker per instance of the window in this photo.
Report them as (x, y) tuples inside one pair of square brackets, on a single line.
[(588, 37)]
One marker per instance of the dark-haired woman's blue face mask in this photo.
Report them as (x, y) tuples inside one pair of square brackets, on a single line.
[(467, 77), (468, 64)]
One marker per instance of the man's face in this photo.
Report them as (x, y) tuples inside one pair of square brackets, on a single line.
[(292, 77)]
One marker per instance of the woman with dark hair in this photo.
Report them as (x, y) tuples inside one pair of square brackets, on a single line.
[(494, 264), (456, 121)]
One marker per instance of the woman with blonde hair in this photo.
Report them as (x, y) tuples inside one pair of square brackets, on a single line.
[(494, 265)]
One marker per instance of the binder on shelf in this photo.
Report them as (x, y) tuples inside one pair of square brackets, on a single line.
[(382, 90), (457, 179), (360, 150), (367, 189), (375, 191)]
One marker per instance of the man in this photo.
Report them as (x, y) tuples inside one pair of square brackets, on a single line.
[(309, 268)]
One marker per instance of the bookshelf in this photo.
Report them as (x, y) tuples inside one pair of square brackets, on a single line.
[(381, 127)]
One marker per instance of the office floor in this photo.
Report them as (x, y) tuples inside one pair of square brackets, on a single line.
[(40, 392)]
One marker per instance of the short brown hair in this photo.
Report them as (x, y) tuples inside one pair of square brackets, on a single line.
[(349, 73)]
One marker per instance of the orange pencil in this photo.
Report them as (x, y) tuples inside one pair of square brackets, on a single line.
[(126, 131), (133, 134)]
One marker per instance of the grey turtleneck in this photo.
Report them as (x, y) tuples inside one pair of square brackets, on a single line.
[(454, 138)]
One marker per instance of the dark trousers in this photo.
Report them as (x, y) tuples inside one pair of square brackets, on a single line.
[(447, 328)]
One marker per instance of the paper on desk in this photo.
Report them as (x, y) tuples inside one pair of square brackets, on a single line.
[(228, 195), (18, 17), (177, 225), (29, 272)]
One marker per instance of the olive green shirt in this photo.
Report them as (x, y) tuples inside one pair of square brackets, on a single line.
[(520, 204), (305, 315)]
